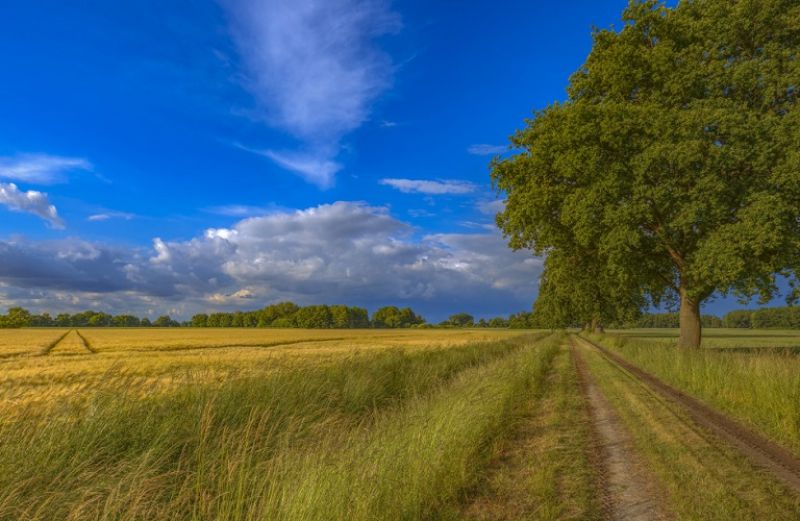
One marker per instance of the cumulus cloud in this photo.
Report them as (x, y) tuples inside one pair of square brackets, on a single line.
[(31, 201), (486, 150), (345, 252), (423, 186), (240, 295), (315, 68), (40, 168)]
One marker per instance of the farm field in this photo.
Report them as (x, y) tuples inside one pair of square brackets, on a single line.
[(394, 424), (45, 364), (721, 338)]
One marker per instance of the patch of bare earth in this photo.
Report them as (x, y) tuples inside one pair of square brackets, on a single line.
[(629, 488)]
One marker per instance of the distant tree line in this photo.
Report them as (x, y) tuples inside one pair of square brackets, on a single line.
[(290, 315), (786, 317), (283, 314), (21, 317), (522, 320), (671, 320)]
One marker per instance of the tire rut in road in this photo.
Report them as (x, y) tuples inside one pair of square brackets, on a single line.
[(629, 488), (762, 452)]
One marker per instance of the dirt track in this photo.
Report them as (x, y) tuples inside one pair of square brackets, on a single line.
[(629, 489), (761, 451)]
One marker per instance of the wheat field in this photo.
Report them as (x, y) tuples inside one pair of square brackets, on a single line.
[(48, 366)]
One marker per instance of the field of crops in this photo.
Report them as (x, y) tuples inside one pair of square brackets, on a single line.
[(483, 424), (46, 364)]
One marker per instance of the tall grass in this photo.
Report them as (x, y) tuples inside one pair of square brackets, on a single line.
[(700, 478), (411, 464), (297, 440), (762, 390)]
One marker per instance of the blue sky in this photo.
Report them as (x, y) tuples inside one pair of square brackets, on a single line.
[(160, 157)]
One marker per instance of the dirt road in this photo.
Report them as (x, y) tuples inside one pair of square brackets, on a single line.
[(630, 489)]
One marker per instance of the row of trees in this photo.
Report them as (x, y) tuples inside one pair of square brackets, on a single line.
[(283, 314), (289, 314), (787, 317), (672, 320), (671, 172), (522, 320), (780, 318), (21, 317)]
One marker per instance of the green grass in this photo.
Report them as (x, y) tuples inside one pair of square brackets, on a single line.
[(722, 338), (390, 434), (701, 477), (416, 461), (760, 389), (544, 470)]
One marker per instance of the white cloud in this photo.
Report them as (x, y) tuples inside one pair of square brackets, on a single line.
[(105, 216), (417, 213), (312, 168), (239, 210), (315, 68), (31, 201), (40, 168), (222, 298), (163, 254), (486, 150), (346, 252), (491, 207), (423, 186)]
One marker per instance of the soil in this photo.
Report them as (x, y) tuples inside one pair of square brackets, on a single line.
[(630, 490)]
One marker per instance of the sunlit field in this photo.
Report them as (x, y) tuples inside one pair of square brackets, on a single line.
[(267, 424), (42, 365), (724, 338), (481, 424)]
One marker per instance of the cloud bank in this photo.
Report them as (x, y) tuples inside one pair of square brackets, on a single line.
[(345, 252)]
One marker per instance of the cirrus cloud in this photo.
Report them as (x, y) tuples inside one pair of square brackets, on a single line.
[(40, 168), (315, 68), (426, 186), (486, 150)]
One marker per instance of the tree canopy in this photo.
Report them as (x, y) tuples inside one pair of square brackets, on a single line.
[(673, 169)]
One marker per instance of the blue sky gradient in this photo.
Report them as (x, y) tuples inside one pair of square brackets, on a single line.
[(156, 157)]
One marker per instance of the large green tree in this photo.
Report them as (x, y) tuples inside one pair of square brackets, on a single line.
[(676, 158), (577, 289)]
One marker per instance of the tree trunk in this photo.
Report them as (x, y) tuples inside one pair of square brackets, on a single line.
[(691, 328), (593, 326), (599, 328)]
